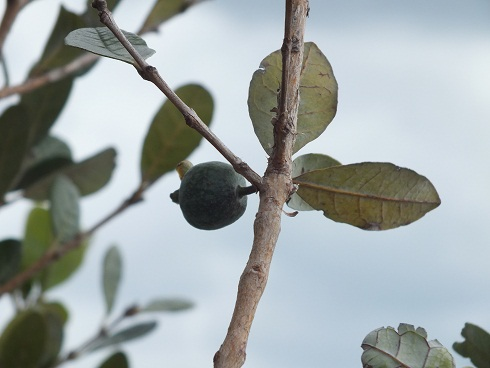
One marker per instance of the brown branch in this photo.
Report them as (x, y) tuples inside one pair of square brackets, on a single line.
[(52, 76), (61, 72), (276, 189), (151, 74), (55, 254)]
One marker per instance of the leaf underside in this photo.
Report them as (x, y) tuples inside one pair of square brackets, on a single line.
[(303, 164), (407, 348), (369, 195), (101, 41)]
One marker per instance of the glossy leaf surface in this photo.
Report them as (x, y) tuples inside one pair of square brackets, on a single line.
[(89, 176), (407, 348), (303, 164), (14, 143), (10, 259), (23, 342), (162, 11), (371, 196), (111, 276), (476, 345), (116, 360), (167, 305), (169, 140), (318, 97), (65, 211), (101, 41)]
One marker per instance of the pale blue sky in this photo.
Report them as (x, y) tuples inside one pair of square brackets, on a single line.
[(414, 90)]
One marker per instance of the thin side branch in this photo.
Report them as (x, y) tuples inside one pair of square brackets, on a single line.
[(151, 74), (55, 254), (52, 76), (11, 11), (276, 190)]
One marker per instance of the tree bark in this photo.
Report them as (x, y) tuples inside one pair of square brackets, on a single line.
[(276, 188)]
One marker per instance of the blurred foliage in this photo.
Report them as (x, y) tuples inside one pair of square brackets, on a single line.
[(476, 345), (40, 167)]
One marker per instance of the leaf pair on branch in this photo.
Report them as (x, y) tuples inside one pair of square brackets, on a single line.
[(371, 196)]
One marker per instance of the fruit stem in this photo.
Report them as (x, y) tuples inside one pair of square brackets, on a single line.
[(243, 191)]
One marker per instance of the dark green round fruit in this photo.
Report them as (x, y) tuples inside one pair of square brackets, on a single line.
[(209, 195)]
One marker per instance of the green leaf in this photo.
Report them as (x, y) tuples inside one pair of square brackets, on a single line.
[(127, 334), (89, 176), (162, 11), (101, 41), (10, 259), (64, 268), (387, 348), (55, 53), (65, 211), (476, 346), (318, 97), (23, 342), (303, 164), (111, 277), (14, 143), (167, 305), (44, 106), (38, 236), (49, 155), (369, 195), (169, 140), (116, 360)]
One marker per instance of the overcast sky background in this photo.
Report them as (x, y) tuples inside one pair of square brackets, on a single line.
[(414, 87)]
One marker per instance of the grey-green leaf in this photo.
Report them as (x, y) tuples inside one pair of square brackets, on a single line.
[(111, 277), (101, 41), (167, 305), (65, 211), (303, 164), (89, 176), (127, 334), (116, 360), (476, 345), (169, 140), (369, 195), (10, 259), (318, 97), (387, 348), (49, 155)]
